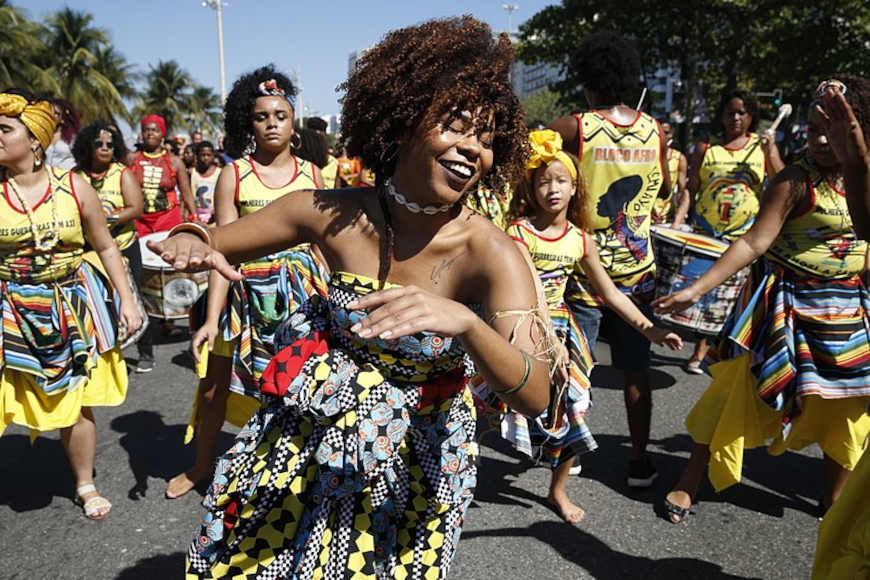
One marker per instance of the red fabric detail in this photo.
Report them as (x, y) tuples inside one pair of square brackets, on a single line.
[(152, 118), (168, 179), (441, 389), (161, 221), (286, 364)]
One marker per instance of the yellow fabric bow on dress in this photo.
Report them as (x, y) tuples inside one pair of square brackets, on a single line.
[(38, 116), (547, 147)]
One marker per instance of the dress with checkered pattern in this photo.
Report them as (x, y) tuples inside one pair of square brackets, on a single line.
[(360, 463)]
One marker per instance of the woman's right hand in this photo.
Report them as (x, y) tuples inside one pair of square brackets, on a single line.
[(676, 302), (206, 333), (842, 128), (188, 253)]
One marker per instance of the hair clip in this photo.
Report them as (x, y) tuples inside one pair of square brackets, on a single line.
[(830, 83)]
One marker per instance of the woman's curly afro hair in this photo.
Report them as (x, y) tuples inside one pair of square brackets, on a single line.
[(240, 101), (417, 75), (609, 64), (83, 146)]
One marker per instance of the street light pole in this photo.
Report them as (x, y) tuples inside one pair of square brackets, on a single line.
[(216, 6), (510, 8)]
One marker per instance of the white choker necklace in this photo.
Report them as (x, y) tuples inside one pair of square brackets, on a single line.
[(412, 206)]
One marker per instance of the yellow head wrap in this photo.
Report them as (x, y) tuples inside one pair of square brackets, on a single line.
[(38, 116), (546, 148)]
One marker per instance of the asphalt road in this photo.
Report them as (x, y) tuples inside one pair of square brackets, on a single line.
[(763, 528)]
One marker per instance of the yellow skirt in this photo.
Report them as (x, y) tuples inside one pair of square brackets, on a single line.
[(843, 549), (240, 408), (23, 402), (730, 417)]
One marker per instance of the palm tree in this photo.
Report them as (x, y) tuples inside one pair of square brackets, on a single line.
[(20, 47), (72, 43), (205, 110), (118, 71), (168, 94)]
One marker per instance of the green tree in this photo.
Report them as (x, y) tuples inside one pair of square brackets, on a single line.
[(20, 50), (72, 44), (167, 93), (545, 106), (205, 110)]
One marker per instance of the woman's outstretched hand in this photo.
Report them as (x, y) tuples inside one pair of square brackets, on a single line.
[(842, 128), (188, 253), (676, 302), (408, 310)]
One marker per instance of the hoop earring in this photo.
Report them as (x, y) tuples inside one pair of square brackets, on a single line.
[(297, 145)]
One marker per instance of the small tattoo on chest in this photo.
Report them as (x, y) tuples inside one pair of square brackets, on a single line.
[(440, 269)]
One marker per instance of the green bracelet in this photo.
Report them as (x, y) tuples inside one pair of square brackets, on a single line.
[(524, 380)]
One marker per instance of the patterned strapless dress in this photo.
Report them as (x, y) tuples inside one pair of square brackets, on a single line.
[(360, 462)]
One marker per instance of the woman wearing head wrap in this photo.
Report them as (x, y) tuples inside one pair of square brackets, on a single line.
[(794, 359), (59, 353), (59, 153), (259, 132), (160, 174)]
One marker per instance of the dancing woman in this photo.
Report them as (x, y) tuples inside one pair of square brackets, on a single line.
[(552, 206), (725, 181), (259, 117), (795, 355), (361, 461), (59, 355)]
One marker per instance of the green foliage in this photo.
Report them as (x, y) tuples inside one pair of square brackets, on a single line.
[(545, 106), (70, 56)]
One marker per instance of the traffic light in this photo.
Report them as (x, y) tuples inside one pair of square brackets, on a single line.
[(777, 98)]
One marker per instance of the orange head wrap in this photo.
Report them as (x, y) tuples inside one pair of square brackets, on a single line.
[(38, 116)]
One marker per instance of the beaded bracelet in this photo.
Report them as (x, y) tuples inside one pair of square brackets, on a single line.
[(524, 380), (198, 230)]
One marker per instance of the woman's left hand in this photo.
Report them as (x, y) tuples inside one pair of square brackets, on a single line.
[(407, 310), (676, 302), (129, 317), (768, 138)]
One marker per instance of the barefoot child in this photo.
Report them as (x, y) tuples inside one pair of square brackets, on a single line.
[(551, 207)]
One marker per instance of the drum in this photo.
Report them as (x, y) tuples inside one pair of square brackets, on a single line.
[(681, 258), (167, 294)]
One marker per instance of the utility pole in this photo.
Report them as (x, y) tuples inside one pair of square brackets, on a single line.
[(216, 6), (510, 9)]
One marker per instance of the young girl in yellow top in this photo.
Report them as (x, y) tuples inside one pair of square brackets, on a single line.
[(59, 354), (795, 356), (239, 327), (552, 206)]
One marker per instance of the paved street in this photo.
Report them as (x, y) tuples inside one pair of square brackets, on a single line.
[(764, 528)]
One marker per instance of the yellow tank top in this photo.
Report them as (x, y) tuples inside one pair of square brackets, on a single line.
[(555, 259), (731, 181), (624, 167), (19, 259), (108, 188), (820, 242), (253, 195), (663, 208), (330, 173)]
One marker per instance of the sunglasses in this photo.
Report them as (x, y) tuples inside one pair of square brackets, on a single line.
[(107, 144)]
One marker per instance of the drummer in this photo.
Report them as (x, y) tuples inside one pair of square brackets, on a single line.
[(726, 176), (621, 153), (678, 166), (239, 329), (159, 173)]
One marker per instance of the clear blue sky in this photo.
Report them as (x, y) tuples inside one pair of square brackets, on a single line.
[(314, 37)]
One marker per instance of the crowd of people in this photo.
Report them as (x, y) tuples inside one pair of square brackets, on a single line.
[(364, 308)]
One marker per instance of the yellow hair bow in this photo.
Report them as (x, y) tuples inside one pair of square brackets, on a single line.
[(547, 147), (38, 117)]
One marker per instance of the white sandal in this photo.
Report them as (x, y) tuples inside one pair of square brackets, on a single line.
[(93, 506)]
